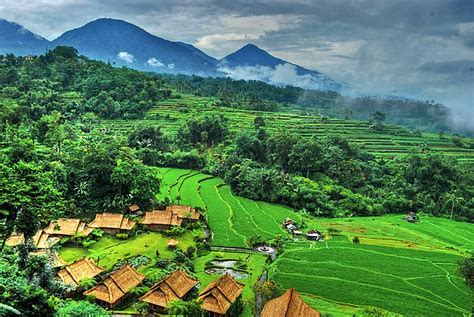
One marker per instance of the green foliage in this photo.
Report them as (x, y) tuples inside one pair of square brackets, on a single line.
[(87, 283), (466, 270), (121, 236), (80, 309)]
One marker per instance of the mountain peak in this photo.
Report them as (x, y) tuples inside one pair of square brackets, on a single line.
[(16, 39)]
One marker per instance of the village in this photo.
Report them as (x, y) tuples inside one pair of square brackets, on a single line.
[(221, 297)]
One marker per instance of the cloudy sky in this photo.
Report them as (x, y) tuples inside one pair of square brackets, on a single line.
[(415, 48)]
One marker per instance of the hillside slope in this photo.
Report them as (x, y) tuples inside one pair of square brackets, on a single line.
[(128, 45)]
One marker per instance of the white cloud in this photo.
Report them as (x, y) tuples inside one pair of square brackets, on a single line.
[(126, 57), (153, 62), (281, 75), (237, 30), (171, 66)]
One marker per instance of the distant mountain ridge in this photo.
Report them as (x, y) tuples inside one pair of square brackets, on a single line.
[(15, 39), (126, 44)]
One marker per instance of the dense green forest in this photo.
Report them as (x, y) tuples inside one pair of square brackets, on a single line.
[(55, 161)]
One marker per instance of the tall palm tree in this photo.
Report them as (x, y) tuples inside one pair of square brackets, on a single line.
[(453, 199)]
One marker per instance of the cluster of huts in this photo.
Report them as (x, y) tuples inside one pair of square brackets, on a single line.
[(216, 298), (291, 227), (111, 223)]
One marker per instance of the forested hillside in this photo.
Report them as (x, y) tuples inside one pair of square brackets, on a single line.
[(62, 155)]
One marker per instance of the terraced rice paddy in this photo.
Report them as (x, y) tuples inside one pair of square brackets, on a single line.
[(233, 219), (407, 282), (172, 113), (402, 268)]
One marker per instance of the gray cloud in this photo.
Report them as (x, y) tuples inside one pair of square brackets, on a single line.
[(416, 48)]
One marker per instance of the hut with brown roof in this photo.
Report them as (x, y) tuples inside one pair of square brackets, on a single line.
[(174, 215), (172, 243), (116, 286), (41, 240), (133, 208), (68, 227), (220, 295), (289, 304), (73, 273), (112, 223), (173, 287)]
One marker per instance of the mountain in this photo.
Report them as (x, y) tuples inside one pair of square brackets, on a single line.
[(128, 45), (15, 39), (125, 44), (252, 62)]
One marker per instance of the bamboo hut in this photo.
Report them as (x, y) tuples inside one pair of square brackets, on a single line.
[(112, 223), (116, 286), (220, 295), (173, 287), (41, 240), (174, 215), (289, 304), (79, 270), (172, 243), (67, 227)]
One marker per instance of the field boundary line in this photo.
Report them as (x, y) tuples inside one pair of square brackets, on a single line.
[(257, 227), (373, 286), (380, 273), (231, 211)]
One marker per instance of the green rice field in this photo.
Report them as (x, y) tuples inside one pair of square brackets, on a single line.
[(170, 114), (400, 267)]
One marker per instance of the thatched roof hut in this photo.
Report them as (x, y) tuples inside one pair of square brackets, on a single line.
[(172, 243), (289, 304), (81, 269), (183, 212), (116, 285), (68, 227), (161, 217), (220, 294), (173, 215), (41, 240), (134, 208), (173, 287), (112, 221)]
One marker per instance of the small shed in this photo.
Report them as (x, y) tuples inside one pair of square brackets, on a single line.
[(314, 235), (411, 217), (172, 243), (134, 208)]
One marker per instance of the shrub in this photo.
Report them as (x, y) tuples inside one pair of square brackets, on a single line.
[(356, 240), (122, 236), (190, 251)]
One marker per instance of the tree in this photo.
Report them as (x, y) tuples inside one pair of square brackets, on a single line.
[(178, 308), (453, 198), (466, 270), (305, 157), (258, 122), (265, 292), (377, 119), (29, 196)]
